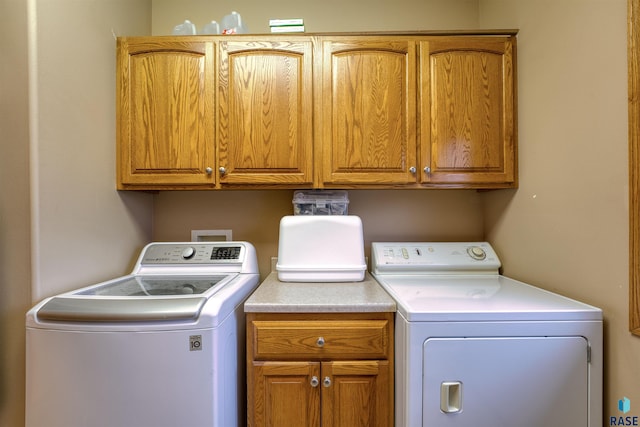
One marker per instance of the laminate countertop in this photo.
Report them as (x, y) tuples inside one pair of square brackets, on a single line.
[(274, 296)]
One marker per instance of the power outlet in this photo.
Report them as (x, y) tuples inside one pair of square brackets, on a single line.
[(211, 235)]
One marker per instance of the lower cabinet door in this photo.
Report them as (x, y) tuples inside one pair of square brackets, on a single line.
[(321, 394), (285, 394), (356, 394)]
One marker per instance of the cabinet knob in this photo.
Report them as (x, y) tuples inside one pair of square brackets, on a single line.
[(314, 381), (222, 170), (320, 342), (412, 169), (209, 171), (326, 382), (427, 169)]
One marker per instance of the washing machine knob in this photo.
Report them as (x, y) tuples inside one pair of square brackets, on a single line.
[(188, 253), (476, 252)]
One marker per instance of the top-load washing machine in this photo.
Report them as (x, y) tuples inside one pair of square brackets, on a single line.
[(161, 347), (477, 349)]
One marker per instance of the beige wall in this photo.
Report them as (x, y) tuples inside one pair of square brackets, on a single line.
[(14, 210), (326, 15), (565, 228), (255, 216), (62, 223), (386, 215), (85, 229)]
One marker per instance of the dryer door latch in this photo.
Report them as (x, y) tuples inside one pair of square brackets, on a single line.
[(451, 397)]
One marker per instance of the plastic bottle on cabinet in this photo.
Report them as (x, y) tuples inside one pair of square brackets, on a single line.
[(232, 24), (211, 28), (185, 29)]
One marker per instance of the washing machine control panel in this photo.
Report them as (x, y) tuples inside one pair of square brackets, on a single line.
[(190, 253), (436, 257), (197, 258)]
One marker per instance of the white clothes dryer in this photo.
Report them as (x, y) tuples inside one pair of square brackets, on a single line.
[(477, 349), (160, 347)]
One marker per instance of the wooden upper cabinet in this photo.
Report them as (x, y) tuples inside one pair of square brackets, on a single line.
[(165, 112), (265, 111), (468, 112), (368, 110)]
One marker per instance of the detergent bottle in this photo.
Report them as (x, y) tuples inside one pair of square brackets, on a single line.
[(232, 24)]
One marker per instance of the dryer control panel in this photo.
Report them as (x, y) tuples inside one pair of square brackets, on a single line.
[(433, 258)]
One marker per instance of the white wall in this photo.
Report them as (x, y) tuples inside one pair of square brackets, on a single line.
[(566, 227)]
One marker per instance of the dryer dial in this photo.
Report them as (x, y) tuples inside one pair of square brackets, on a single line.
[(476, 252)]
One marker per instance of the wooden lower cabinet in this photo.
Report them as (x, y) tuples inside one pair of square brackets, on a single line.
[(357, 393), (312, 384)]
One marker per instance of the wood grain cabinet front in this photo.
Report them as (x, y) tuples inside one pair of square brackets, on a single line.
[(165, 112), (467, 103), (419, 112), (368, 114), (365, 110), (265, 104), (329, 370), (320, 339)]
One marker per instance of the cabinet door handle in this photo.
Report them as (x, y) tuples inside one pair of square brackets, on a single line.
[(427, 169), (320, 342), (326, 382), (314, 381), (209, 171), (412, 169), (222, 170)]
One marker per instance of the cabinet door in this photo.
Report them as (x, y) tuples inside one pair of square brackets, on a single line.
[(468, 111), (357, 394), (165, 112), (265, 111), (368, 113), (285, 395)]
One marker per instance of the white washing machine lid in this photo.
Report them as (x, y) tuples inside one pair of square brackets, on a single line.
[(171, 281), (454, 298), (135, 298)]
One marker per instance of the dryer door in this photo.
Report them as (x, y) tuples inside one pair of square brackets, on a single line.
[(505, 381)]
